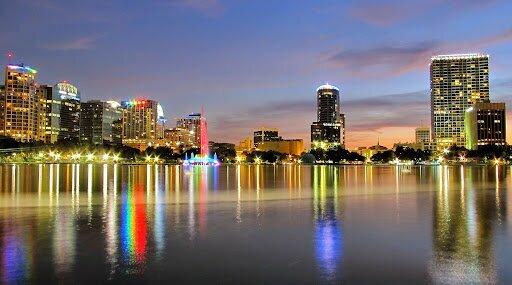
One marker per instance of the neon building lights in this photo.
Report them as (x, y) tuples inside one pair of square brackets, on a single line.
[(22, 68)]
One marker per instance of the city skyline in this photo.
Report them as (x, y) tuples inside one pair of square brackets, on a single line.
[(265, 78)]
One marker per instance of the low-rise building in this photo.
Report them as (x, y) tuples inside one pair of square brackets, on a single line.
[(368, 152), (245, 145), (485, 125), (288, 146), (265, 135)]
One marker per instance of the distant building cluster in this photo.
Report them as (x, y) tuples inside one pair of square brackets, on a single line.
[(30, 112), (268, 139)]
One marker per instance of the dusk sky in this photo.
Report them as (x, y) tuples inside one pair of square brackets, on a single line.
[(258, 63)]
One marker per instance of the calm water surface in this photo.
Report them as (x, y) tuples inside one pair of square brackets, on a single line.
[(255, 224)]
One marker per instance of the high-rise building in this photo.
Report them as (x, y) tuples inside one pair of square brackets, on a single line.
[(52, 113), (265, 135), (485, 125), (142, 122), (192, 123), (117, 131), (457, 82), (21, 108), (69, 123), (329, 129), (97, 120)]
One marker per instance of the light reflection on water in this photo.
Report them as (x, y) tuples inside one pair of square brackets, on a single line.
[(322, 224)]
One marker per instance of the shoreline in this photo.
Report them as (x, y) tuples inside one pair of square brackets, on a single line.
[(255, 164)]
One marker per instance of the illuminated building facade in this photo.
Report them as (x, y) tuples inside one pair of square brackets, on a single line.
[(422, 137), (192, 123), (142, 122), (288, 146), (52, 113), (245, 145), (422, 134), (69, 123), (328, 130), (97, 121), (21, 106), (368, 152), (457, 82), (179, 138), (265, 135), (485, 125), (117, 131)]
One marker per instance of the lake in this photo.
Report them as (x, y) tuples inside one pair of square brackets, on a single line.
[(254, 224)]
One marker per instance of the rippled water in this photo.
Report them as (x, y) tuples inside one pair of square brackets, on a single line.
[(255, 224)]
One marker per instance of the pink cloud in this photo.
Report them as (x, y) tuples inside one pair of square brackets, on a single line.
[(387, 13), (82, 43), (389, 61)]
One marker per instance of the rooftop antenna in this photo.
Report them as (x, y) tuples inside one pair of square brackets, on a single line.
[(10, 55)]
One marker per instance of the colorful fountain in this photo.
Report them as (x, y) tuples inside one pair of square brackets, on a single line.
[(203, 158)]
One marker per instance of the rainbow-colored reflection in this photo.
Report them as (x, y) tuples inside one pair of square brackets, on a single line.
[(133, 229), (201, 160)]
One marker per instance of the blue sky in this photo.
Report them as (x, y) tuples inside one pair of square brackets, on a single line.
[(258, 63)]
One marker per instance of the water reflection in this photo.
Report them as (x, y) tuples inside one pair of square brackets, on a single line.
[(16, 254), (133, 224), (132, 220), (464, 224), (328, 235)]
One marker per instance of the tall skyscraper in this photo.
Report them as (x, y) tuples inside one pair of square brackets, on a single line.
[(142, 122), (21, 108), (328, 130), (265, 135), (457, 82), (485, 125), (69, 123), (97, 121), (52, 113), (192, 123)]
